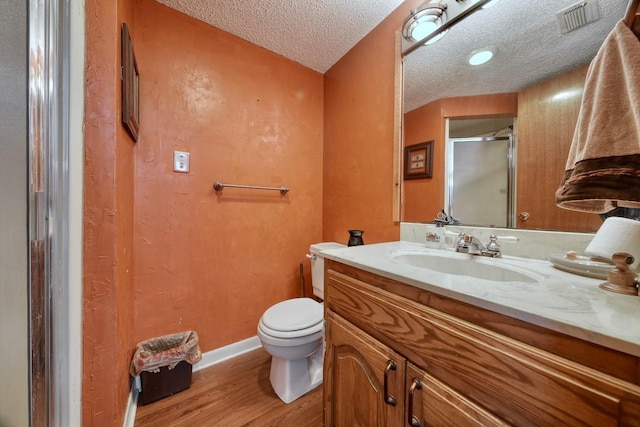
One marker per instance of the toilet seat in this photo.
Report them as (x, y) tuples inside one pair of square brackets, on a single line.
[(318, 327), (293, 318)]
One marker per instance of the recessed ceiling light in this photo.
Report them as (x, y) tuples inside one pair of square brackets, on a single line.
[(481, 56)]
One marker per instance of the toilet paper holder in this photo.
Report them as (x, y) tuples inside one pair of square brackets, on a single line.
[(621, 279)]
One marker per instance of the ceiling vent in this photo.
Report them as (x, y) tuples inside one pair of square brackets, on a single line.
[(578, 15)]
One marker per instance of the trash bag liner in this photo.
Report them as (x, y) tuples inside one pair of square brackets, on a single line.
[(168, 350)]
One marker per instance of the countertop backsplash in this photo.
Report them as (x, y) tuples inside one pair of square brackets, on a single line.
[(536, 244)]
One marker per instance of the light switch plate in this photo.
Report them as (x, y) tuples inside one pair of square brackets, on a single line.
[(180, 161)]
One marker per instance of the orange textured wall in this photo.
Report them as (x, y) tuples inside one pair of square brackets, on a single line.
[(423, 198), (125, 237), (358, 136), (108, 222), (206, 261)]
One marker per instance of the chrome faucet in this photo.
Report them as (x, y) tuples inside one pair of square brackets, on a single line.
[(471, 245)]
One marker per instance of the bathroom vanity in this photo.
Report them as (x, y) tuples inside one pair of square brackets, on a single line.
[(407, 345)]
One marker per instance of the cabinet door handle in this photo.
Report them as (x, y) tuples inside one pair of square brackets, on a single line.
[(388, 398), (412, 419)]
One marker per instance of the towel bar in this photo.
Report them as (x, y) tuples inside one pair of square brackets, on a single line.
[(218, 186)]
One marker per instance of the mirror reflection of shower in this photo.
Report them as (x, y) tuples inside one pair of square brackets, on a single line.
[(480, 171)]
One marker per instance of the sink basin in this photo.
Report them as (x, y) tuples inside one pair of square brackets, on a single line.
[(464, 265)]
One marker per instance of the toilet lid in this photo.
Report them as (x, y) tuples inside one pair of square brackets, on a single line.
[(293, 315)]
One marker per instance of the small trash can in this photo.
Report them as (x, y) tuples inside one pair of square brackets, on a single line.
[(165, 365)]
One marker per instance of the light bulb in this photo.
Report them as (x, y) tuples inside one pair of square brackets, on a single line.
[(423, 29)]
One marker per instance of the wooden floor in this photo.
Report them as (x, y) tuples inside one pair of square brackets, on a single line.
[(233, 393)]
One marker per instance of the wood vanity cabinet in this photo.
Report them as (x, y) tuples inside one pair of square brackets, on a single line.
[(398, 355), (368, 378)]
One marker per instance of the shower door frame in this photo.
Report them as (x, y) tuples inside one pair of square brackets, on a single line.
[(55, 209), (511, 168)]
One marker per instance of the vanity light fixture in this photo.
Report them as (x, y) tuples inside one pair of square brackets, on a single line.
[(481, 56), (431, 21), (423, 23)]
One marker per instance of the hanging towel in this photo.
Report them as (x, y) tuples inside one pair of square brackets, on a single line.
[(603, 167)]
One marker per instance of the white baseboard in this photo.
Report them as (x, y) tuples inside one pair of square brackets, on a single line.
[(132, 407), (221, 354), (209, 358)]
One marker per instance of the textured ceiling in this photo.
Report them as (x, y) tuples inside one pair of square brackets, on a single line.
[(530, 49), (314, 33), (317, 33)]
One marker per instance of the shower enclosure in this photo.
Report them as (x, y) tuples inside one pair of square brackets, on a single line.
[(14, 256), (480, 172)]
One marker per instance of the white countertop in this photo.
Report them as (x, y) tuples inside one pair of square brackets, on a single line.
[(560, 301)]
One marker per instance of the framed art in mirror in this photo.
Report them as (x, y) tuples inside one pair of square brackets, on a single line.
[(130, 86), (418, 160)]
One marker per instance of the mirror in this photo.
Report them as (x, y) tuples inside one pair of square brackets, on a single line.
[(535, 78), (479, 170)]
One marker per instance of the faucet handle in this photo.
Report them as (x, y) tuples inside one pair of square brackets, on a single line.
[(493, 245), (461, 243)]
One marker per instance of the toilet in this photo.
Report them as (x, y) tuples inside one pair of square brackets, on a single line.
[(292, 332)]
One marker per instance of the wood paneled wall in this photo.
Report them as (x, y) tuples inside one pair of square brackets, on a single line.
[(547, 116)]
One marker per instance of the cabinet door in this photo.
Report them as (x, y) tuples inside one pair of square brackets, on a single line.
[(432, 403), (363, 378)]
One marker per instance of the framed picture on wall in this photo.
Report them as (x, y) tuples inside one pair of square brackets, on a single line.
[(418, 160), (130, 86)]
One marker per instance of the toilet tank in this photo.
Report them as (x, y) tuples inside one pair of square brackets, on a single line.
[(317, 265)]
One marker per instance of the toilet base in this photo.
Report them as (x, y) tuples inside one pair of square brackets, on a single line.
[(292, 379)]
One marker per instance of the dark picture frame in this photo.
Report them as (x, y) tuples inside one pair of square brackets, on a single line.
[(418, 160), (130, 85)]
